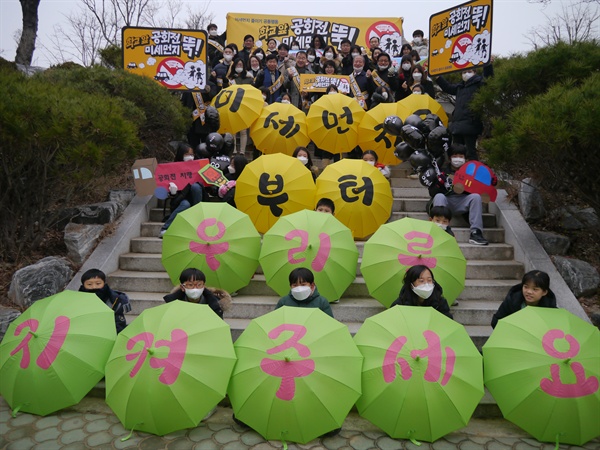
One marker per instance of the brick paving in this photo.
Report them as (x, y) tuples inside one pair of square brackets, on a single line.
[(92, 425)]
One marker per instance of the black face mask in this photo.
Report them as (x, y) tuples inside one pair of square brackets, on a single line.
[(103, 293)]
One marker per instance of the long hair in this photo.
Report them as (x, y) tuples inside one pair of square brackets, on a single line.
[(407, 296)]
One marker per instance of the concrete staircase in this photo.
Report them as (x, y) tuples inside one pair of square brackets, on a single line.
[(491, 270)]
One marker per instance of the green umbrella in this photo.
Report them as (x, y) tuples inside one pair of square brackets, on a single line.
[(542, 365), (422, 375), (399, 245), (54, 353), (313, 240), (297, 374), (169, 368), (215, 238)]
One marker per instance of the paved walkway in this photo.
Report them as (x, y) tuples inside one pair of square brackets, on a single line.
[(92, 425)]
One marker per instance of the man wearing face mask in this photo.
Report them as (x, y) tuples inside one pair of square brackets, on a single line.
[(222, 68), (291, 78), (464, 203), (466, 125), (383, 77), (304, 293), (191, 289), (216, 44), (420, 44), (359, 82)]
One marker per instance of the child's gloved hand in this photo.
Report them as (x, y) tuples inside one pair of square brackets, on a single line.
[(172, 188)]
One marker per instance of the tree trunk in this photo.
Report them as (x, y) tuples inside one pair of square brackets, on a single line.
[(29, 33)]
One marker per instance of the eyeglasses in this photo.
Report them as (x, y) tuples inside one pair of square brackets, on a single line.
[(193, 284)]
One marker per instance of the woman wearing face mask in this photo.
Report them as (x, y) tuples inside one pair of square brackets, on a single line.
[(370, 157), (239, 74), (304, 293), (466, 125), (419, 77), (329, 54), (405, 77), (192, 289), (313, 60), (421, 289), (255, 65), (318, 44), (301, 153), (190, 195)]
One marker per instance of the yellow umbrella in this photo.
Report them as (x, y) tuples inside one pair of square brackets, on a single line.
[(361, 194), (372, 136), (280, 129), (239, 106), (421, 105), (273, 186), (333, 122)]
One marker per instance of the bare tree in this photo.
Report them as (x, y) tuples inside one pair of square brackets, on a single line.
[(575, 23), (26, 45), (80, 42)]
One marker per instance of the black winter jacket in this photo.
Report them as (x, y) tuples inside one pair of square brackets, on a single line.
[(207, 298), (515, 301), (465, 121)]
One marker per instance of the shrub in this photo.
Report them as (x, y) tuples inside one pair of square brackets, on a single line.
[(158, 112), (56, 141), (555, 136)]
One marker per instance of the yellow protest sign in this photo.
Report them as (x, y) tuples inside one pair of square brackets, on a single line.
[(460, 37), (285, 29), (176, 59), (310, 82)]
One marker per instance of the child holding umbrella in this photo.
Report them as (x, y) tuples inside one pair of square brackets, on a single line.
[(421, 289)]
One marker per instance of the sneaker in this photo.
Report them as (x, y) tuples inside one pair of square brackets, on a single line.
[(335, 301), (414, 175), (477, 238), (162, 233)]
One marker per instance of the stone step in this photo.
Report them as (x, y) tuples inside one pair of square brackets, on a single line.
[(476, 269), (351, 310), (133, 281), (402, 182), (489, 219)]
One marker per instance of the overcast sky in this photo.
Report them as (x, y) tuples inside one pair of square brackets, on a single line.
[(512, 20)]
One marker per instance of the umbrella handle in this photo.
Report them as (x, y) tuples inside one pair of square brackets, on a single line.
[(412, 439), (131, 432), (16, 411)]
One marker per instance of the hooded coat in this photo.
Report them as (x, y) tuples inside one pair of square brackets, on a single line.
[(313, 301)]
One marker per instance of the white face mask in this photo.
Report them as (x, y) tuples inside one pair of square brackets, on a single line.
[(295, 48), (441, 225), (417, 40), (255, 67), (231, 169), (457, 161), (467, 76), (406, 66), (194, 294), (382, 67), (310, 58), (228, 57), (285, 101), (239, 69), (213, 32), (417, 92), (329, 55), (188, 158), (417, 76), (384, 95), (264, 97), (424, 291), (358, 70), (354, 55), (303, 159), (332, 92), (259, 56), (301, 293), (370, 162)]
